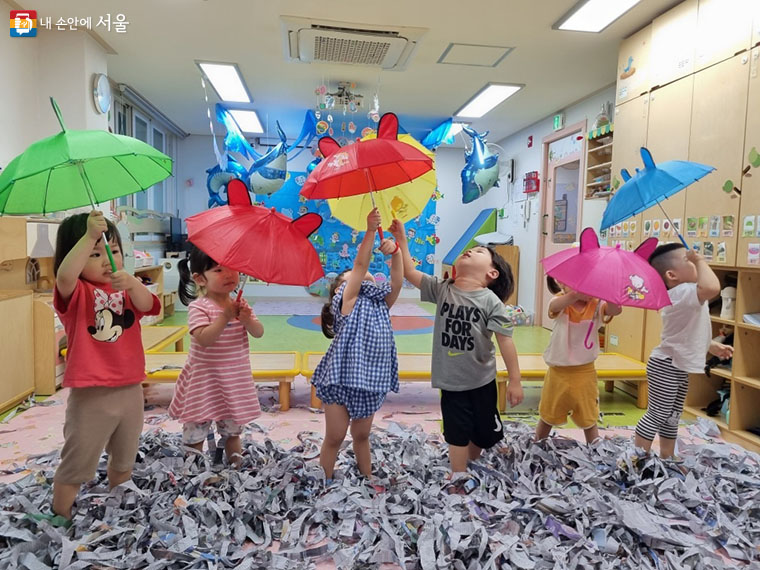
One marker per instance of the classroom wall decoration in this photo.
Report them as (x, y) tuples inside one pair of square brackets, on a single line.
[(336, 243)]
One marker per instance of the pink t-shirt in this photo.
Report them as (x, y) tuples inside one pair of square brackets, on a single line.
[(103, 335), (216, 382)]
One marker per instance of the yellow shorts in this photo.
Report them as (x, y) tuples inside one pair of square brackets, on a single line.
[(570, 390)]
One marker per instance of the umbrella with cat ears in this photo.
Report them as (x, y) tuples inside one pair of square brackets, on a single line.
[(610, 273), (648, 187), (366, 166), (258, 241)]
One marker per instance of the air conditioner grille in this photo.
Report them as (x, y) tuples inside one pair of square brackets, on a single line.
[(339, 50)]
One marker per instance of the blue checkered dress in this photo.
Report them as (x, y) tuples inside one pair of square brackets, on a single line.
[(361, 365)]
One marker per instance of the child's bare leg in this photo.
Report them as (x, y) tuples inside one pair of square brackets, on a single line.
[(458, 455), (336, 425), (64, 495), (667, 447), (233, 447), (591, 433), (473, 451), (643, 443), (360, 435), (542, 430), (117, 477)]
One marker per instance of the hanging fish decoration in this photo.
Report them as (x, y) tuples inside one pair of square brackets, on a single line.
[(268, 174), (481, 169)]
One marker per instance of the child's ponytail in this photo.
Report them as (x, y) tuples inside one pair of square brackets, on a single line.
[(328, 320), (187, 290)]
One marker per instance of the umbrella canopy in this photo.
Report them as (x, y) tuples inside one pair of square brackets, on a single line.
[(610, 273), (650, 186), (258, 241), (404, 202), (365, 166), (78, 168)]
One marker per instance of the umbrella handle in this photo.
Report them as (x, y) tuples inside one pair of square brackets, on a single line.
[(589, 344), (109, 253)]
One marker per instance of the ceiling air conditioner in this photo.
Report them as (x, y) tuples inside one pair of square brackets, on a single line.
[(314, 41)]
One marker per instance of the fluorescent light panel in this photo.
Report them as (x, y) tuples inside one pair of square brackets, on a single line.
[(248, 121), (487, 99), (456, 128), (226, 80), (594, 15)]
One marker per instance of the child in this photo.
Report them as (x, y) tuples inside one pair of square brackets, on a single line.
[(684, 342), (571, 385), (215, 383), (361, 366), (105, 365), (469, 310)]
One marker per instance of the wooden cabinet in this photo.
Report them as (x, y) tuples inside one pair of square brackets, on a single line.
[(668, 139), (153, 276), (12, 238), (718, 116), (16, 349), (633, 66), (742, 377), (673, 38), (48, 334), (748, 243), (723, 30)]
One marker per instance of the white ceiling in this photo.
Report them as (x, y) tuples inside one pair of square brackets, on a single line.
[(156, 56)]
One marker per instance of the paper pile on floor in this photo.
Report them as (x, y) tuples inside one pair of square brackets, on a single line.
[(558, 505)]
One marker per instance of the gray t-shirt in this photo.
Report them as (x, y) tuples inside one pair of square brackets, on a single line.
[(463, 350)]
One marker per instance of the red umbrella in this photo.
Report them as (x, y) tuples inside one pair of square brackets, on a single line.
[(257, 241), (365, 166)]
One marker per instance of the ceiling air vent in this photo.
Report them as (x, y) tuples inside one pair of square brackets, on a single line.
[(310, 41)]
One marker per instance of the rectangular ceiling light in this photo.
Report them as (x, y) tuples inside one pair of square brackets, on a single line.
[(226, 80), (488, 97), (456, 128), (248, 121), (593, 15)]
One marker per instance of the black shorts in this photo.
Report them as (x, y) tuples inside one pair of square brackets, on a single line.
[(471, 416)]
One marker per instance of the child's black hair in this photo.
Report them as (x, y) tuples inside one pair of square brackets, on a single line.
[(660, 260), (71, 231), (504, 284), (553, 286), (196, 262), (328, 319)]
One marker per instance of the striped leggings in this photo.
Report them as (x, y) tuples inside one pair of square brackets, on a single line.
[(667, 393)]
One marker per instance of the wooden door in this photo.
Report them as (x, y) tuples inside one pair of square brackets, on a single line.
[(673, 38), (668, 131), (718, 116), (633, 66), (723, 30), (563, 201), (748, 224)]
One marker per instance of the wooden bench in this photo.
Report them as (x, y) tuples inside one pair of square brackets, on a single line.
[(266, 367), (416, 368)]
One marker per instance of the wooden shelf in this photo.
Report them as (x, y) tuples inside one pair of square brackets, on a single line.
[(753, 382), (722, 372), (748, 436), (701, 414), (603, 147), (603, 195), (748, 326), (601, 183), (603, 165), (147, 268), (722, 321)]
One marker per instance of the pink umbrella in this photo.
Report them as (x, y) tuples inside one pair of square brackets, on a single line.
[(610, 273)]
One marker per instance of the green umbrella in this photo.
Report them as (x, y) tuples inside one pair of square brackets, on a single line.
[(77, 168)]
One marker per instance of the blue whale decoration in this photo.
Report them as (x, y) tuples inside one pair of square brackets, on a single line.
[(218, 178)]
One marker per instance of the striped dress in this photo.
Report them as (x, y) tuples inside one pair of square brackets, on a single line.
[(216, 382)]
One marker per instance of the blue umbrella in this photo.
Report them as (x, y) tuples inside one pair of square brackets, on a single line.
[(650, 186)]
